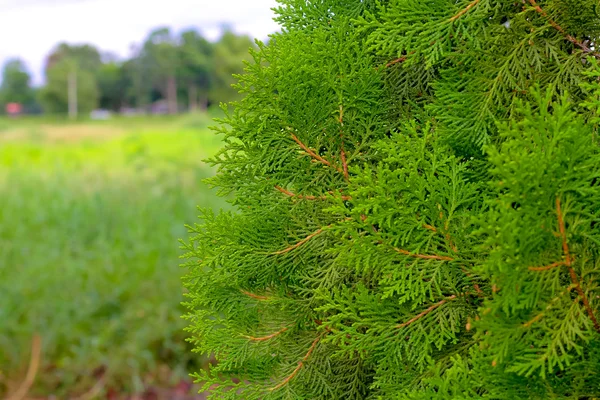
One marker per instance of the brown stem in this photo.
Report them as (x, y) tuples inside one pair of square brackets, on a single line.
[(34, 364), (314, 154), (475, 285), (396, 61), (424, 313), (265, 338), (430, 227), (300, 243), (345, 163), (559, 28), (307, 197), (554, 300), (423, 256), (95, 390), (254, 296), (464, 10), (533, 320), (568, 263), (299, 367), (548, 267)]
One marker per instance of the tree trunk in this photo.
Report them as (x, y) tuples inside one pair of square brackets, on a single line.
[(72, 94), (172, 94), (193, 98), (203, 100)]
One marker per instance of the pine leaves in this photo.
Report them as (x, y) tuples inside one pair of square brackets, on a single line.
[(543, 222), (416, 192)]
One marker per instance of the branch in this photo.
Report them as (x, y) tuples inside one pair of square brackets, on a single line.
[(95, 390), (396, 61), (343, 151), (559, 28), (430, 227), (300, 243), (36, 352), (568, 263), (464, 10), (313, 154), (265, 338), (344, 163), (307, 197), (548, 267), (475, 285), (254, 296), (423, 256), (554, 300), (446, 235), (424, 313), (299, 367)]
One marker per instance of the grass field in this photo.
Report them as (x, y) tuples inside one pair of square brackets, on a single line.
[(90, 214)]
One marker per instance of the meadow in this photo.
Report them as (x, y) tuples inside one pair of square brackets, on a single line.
[(90, 217)]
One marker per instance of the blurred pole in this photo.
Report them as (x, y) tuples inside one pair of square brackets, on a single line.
[(172, 94), (72, 95)]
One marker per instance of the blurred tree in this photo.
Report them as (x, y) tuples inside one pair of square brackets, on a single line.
[(54, 97), (160, 57), (196, 67), (87, 57), (230, 52), (112, 86), (16, 84)]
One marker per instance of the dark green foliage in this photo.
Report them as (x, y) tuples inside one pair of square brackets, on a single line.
[(417, 191), (16, 84)]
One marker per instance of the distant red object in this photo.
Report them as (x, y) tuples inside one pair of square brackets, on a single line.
[(13, 108)]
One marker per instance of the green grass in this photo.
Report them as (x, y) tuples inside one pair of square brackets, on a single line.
[(89, 253)]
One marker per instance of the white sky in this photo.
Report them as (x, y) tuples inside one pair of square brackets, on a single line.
[(31, 28)]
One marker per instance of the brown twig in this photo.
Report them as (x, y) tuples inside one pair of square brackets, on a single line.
[(464, 10), (559, 28), (34, 364), (547, 267), (554, 300), (430, 227), (568, 263), (423, 256), (265, 338), (307, 197), (300, 243), (396, 61), (94, 391), (255, 296), (475, 285), (299, 367), (344, 163), (424, 313), (314, 154)]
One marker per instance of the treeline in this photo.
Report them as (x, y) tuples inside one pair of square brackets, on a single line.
[(167, 73)]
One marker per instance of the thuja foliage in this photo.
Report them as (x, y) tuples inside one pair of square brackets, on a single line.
[(417, 206)]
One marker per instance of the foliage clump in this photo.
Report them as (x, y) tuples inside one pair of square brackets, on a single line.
[(417, 195)]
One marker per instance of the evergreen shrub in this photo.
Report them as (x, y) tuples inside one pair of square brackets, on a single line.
[(417, 206)]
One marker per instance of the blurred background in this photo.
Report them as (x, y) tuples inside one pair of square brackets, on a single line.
[(104, 113)]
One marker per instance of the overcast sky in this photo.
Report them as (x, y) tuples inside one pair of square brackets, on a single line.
[(31, 28)]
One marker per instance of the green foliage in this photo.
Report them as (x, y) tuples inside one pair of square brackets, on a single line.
[(16, 84), (229, 54), (87, 260), (417, 191), (112, 85), (54, 97)]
